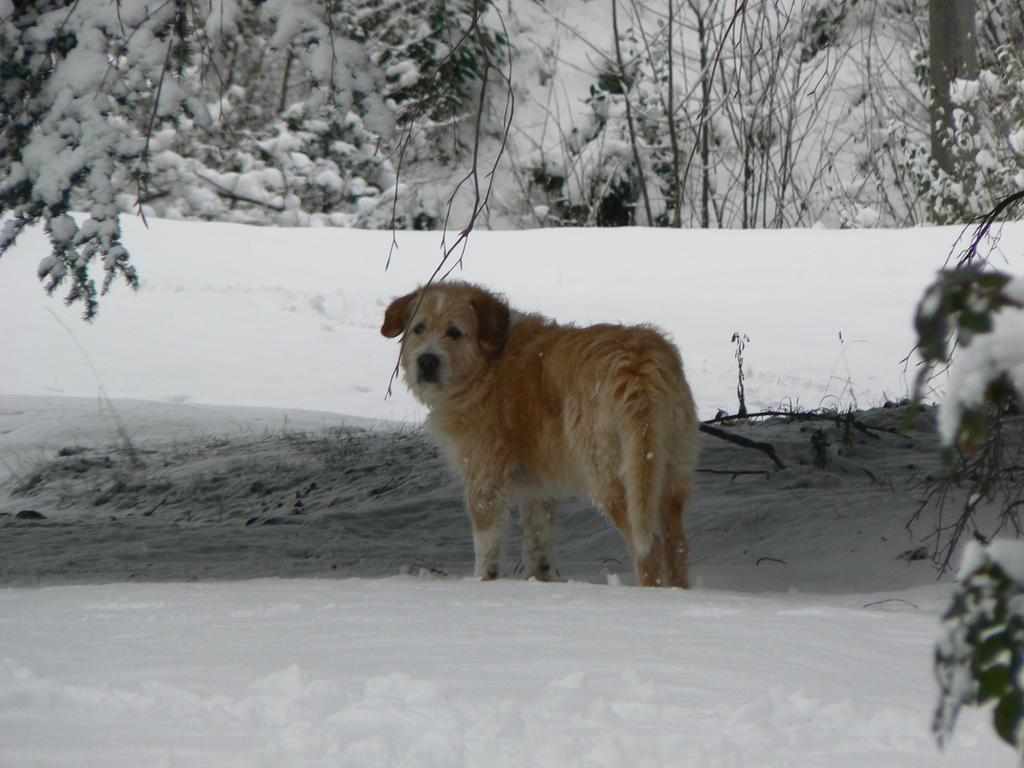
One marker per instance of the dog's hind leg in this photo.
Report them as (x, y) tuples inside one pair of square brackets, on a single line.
[(647, 552), (643, 478), (675, 547), (489, 516), (681, 463), (539, 538)]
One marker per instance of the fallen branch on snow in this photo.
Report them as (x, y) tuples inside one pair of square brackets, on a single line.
[(766, 448)]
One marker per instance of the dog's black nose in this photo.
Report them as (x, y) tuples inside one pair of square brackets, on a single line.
[(428, 365)]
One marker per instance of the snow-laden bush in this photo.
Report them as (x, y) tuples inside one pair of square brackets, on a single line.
[(705, 119), (306, 167), (977, 312), (432, 54), (979, 660), (970, 323), (989, 366)]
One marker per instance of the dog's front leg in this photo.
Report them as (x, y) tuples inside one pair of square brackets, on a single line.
[(489, 514), (539, 536)]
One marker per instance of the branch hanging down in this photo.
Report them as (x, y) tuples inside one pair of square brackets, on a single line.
[(481, 183)]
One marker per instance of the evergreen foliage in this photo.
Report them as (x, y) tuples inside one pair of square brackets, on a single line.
[(979, 660)]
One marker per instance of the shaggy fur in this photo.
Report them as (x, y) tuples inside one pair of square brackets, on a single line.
[(528, 411)]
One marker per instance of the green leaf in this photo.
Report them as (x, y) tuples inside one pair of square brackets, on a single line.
[(1007, 717), (994, 683), (975, 322), (991, 648)]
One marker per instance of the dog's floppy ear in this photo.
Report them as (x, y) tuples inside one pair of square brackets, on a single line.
[(492, 316), (396, 316)]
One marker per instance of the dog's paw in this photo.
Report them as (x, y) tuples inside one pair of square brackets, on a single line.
[(541, 571)]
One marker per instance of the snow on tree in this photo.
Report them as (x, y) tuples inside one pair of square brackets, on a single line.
[(989, 366), (85, 89), (281, 112)]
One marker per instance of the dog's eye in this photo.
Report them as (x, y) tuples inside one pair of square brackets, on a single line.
[(454, 333), (420, 328)]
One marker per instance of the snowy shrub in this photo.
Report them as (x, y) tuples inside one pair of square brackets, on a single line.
[(591, 176), (979, 660), (970, 323), (309, 166), (432, 53), (978, 312), (989, 367), (597, 183), (822, 26), (705, 119)]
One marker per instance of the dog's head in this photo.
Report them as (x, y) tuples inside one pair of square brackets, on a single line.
[(452, 332)]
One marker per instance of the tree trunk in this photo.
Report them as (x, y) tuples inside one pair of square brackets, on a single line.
[(953, 54), (705, 117), (633, 140), (673, 133), (283, 101)]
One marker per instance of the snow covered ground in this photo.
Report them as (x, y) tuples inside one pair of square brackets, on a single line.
[(425, 673), (806, 642)]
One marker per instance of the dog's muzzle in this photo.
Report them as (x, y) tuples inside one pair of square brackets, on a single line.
[(428, 368)]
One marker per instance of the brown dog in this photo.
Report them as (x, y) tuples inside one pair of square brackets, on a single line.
[(528, 411)]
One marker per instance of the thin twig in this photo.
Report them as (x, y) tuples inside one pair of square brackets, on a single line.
[(144, 157), (122, 428), (891, 600), (481, 193), (734, 473)]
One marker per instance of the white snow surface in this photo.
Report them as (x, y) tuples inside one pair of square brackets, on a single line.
[(1008, 553), (421, 673), (288, 318), (823, 662)]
